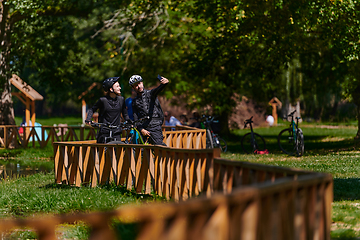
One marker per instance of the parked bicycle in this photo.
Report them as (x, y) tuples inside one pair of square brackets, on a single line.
[(291, 140), (212, 139), (252, 142)]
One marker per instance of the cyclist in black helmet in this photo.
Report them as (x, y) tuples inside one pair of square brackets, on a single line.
[(146, 103), (110, 107)]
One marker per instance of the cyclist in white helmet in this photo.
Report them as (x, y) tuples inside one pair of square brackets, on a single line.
[(145, 104)]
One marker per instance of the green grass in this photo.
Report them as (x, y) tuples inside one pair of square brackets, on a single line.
[(38, 194), (329, 150), (50, 121)]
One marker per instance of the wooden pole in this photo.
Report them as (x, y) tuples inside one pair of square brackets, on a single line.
[(274, 113), (33, 115), (83, 103), (27, 117)]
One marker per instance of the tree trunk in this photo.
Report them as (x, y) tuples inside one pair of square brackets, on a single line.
[(356, 97), (224, 124), (357, 137), (6, 104)]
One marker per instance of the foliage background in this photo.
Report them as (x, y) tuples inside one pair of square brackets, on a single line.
[(210, 50)]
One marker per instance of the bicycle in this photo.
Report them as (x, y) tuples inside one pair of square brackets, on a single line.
[(108, 139), (133, 135), (291, 140), (212, 139), (252, 142)]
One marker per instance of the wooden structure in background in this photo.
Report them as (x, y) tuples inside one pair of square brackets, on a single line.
[(28, 96), (275, 102)]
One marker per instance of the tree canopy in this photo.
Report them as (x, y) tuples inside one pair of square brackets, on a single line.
[(211, 50)]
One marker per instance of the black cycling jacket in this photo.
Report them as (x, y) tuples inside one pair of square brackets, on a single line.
[(147, 104), (110, 110)]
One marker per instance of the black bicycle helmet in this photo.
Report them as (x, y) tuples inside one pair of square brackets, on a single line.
[(109, 82), (134, 79)]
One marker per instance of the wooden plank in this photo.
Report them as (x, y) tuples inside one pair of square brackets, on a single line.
[(157, 169), (120, 165)]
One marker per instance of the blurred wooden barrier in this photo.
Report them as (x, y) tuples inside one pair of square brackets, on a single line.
[(186, 138), (238, 200)]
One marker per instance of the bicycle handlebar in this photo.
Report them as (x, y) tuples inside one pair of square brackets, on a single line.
[(207, 118), (248, 121), (292, 115), (104, 125), (131, 124), (125, 125)]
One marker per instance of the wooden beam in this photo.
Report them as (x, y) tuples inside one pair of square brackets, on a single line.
[(20, 96)]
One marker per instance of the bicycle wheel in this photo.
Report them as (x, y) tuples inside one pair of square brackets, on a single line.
[(300, 143), (249, 145), (209, 140), (222, 144), (286, 141)]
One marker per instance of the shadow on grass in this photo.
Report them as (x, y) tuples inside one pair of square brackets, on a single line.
[(111, 187), (346, 189)]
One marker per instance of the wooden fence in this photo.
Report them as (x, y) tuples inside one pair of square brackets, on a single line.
[(42, 135), (236, 200), (171, 172), (214, 198)]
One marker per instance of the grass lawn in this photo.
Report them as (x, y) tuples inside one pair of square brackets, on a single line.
[(327, 149), (50, 121)]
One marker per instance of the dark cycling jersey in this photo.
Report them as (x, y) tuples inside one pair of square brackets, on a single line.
[(147, 104), (110, 110)]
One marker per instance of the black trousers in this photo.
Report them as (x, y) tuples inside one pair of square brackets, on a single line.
[(156, 136)]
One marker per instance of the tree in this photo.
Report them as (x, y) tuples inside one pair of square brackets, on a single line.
[(244, 50), (248, 45), (38, 36)]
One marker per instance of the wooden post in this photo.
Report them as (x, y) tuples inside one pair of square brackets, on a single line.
[(27, 118), (33, 116), (83, 109), (274, 102)]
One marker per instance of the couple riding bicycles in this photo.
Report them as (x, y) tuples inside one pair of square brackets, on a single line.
[(112, 106)]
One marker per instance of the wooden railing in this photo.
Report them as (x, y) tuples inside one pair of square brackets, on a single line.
[(214, 198), (171, 172), (24, 135), (242, 200)]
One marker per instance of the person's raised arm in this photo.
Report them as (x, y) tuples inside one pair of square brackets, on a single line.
[(158, 89)]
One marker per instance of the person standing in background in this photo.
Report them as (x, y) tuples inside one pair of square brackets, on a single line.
[(128, 103), (170, 120)]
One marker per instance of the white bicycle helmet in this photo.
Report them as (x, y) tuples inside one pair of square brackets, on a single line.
[(134, 79)]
